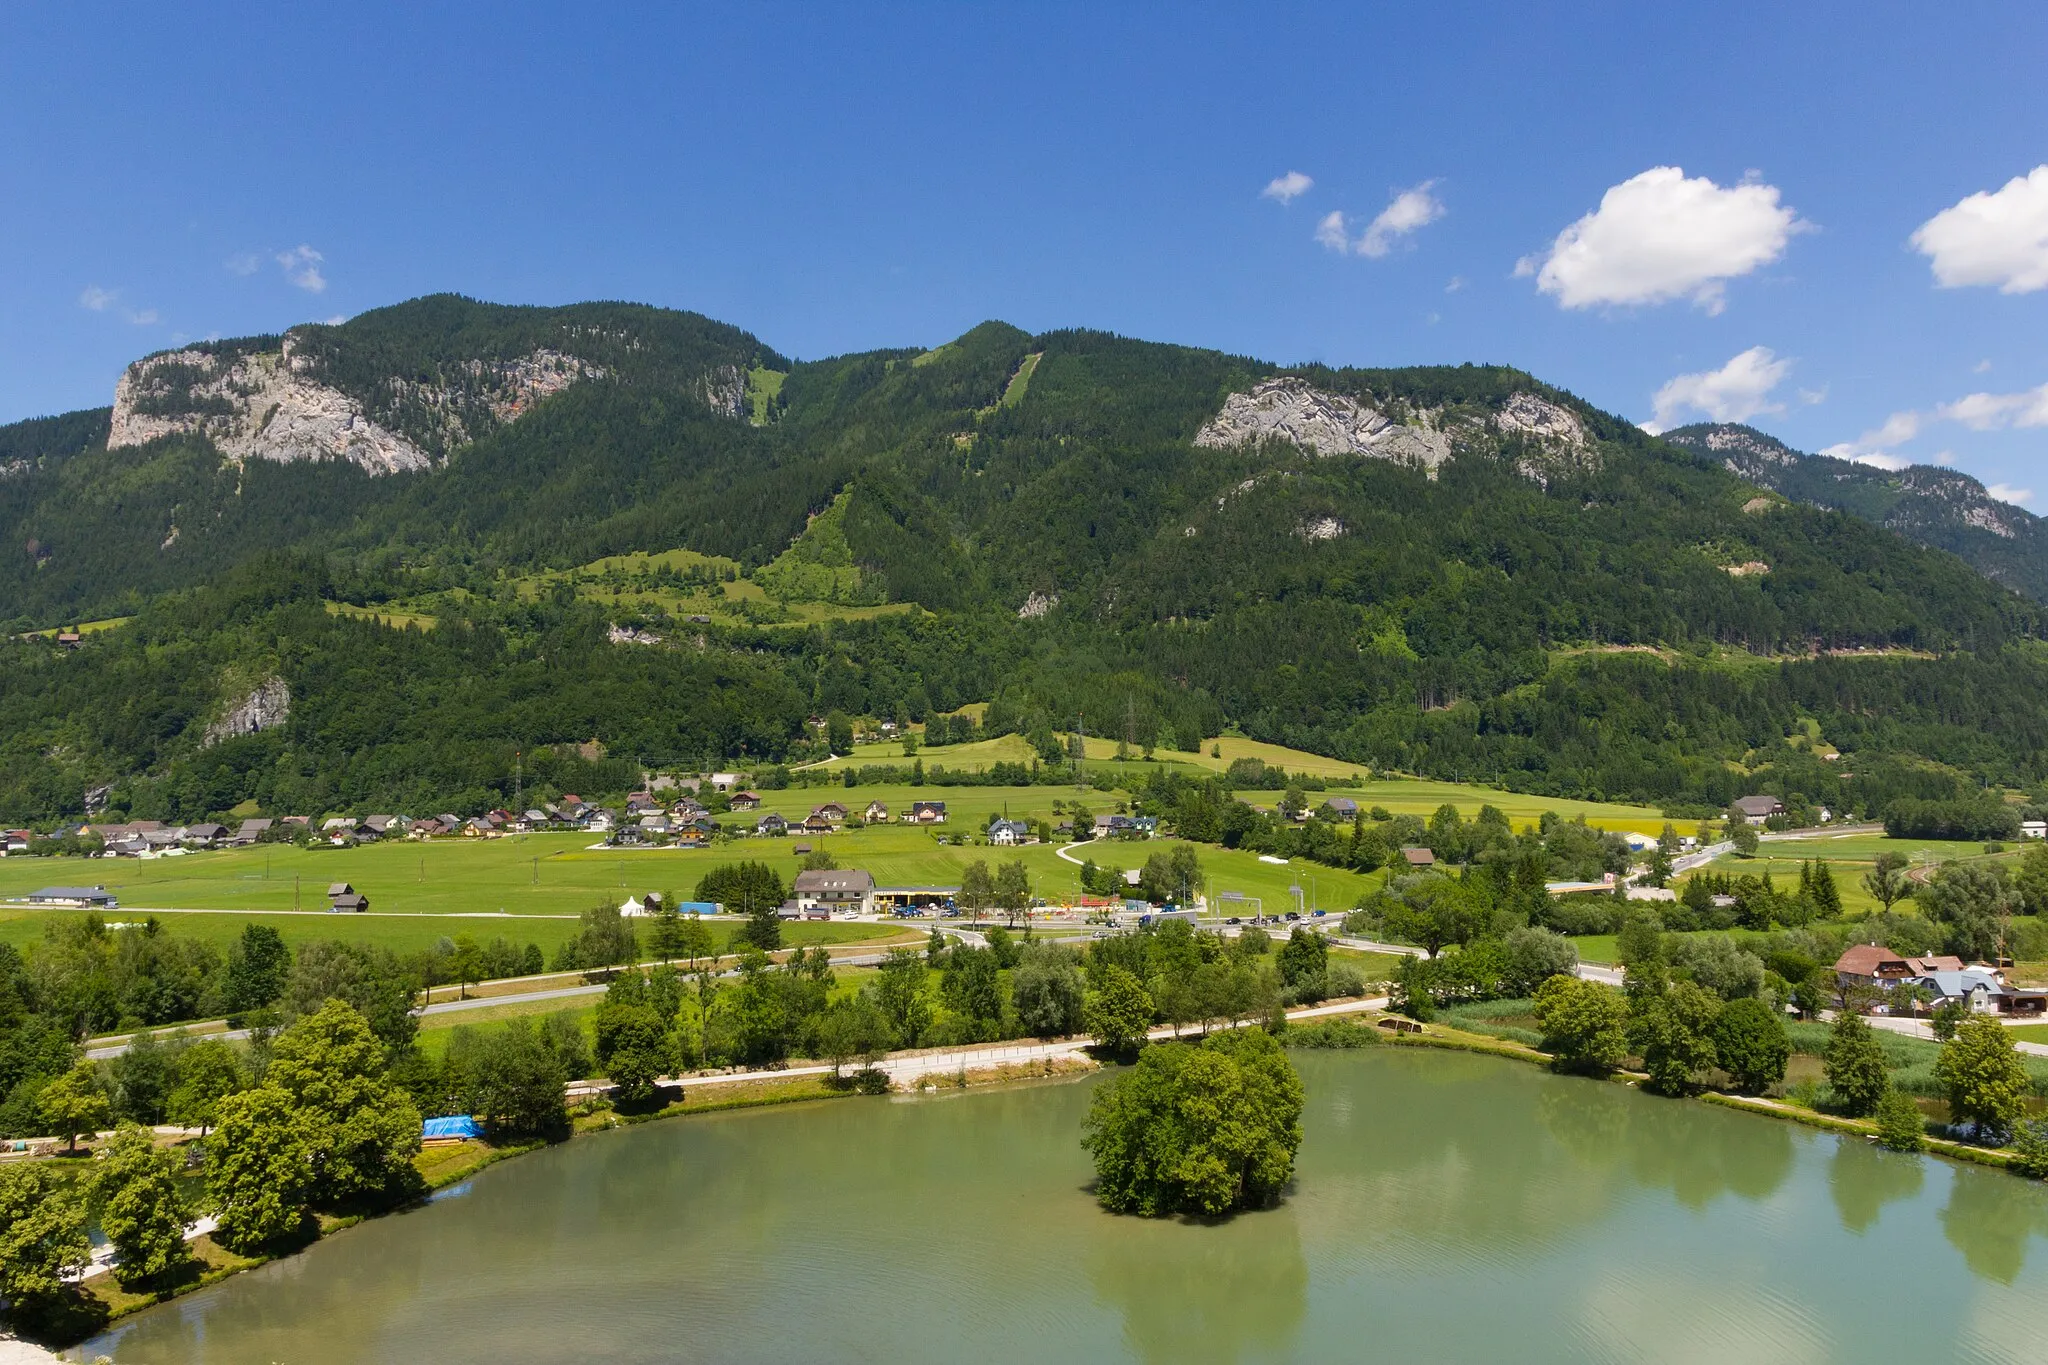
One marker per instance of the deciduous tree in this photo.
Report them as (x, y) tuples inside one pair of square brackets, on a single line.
[(1584, 1024), (42, 1237), (1197, 1128), (259, 1167), (141, 1207), (1855, 1065), (1986, 1082)]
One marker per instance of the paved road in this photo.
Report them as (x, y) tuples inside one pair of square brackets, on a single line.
[(1920, 1028), (904, 1067)]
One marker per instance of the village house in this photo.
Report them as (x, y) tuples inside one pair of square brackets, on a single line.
[(346, 899), (832, 812), (1008, 832), (1341, 807), (204, 835), (745, 801), (2034, 829), (1757, 809), (849, 891), (925, 813), (877, 813), (814, 823), (1418, 857), (1876, 966), (772, 825)]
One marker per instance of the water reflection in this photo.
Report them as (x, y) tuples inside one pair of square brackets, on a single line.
[(1990, 1218), (1198, 1294), (1697, 1154), (1863, 1179), (1446, 1208)]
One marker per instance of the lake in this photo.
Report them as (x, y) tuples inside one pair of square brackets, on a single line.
[(1448, 1207)]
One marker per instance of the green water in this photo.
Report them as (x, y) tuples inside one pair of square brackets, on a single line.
[(1448, 1208)]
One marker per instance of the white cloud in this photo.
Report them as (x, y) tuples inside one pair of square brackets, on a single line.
[(2000, 237), (302, 267), (1457, 283), (1813, 396), (1411, 210), (2005, 492), (1736, 392), (1330, 231), (1995, 411), (1981, 367), (242, 263), (1660, 236), (97, 299), (1287, 188), (143, 318)]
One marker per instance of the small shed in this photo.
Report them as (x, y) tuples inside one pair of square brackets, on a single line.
[(455, 1128)]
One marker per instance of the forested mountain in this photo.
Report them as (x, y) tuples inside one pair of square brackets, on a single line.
[(1456, 570), (1927, 504)]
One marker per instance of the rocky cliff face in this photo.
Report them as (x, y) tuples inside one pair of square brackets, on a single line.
[(1330, 424), (268, 705), (1288, 408), (270, 405)]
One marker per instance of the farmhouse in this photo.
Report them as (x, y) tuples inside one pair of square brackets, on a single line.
[(745, 801), (1873, 964), (1008, 832), (1757, 809), (771, 824), (925, 813), (877, 813)]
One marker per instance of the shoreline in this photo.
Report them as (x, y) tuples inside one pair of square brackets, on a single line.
[(915, 1072)]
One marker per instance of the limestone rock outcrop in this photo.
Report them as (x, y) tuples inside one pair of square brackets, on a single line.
[(269, 405), (268, 705), (1331, 424)]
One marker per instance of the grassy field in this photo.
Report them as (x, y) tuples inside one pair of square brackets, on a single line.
[(1401, 796), (383, 616), (1849, 857), (556, 875)]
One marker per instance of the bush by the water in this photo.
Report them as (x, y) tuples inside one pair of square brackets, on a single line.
[(1197, 1128), (1331, 1033)]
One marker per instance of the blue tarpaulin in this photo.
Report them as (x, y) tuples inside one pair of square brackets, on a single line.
[(460, 1126)]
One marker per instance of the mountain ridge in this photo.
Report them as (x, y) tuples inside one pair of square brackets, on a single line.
[(1050, 502), (1928, 504)]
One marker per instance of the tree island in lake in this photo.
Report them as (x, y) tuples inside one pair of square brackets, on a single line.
[(1197, 1128)]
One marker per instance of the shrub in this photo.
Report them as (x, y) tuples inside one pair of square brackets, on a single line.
[(1899, 1125)]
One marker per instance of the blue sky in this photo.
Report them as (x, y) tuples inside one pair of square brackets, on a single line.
[(1679, 186)]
